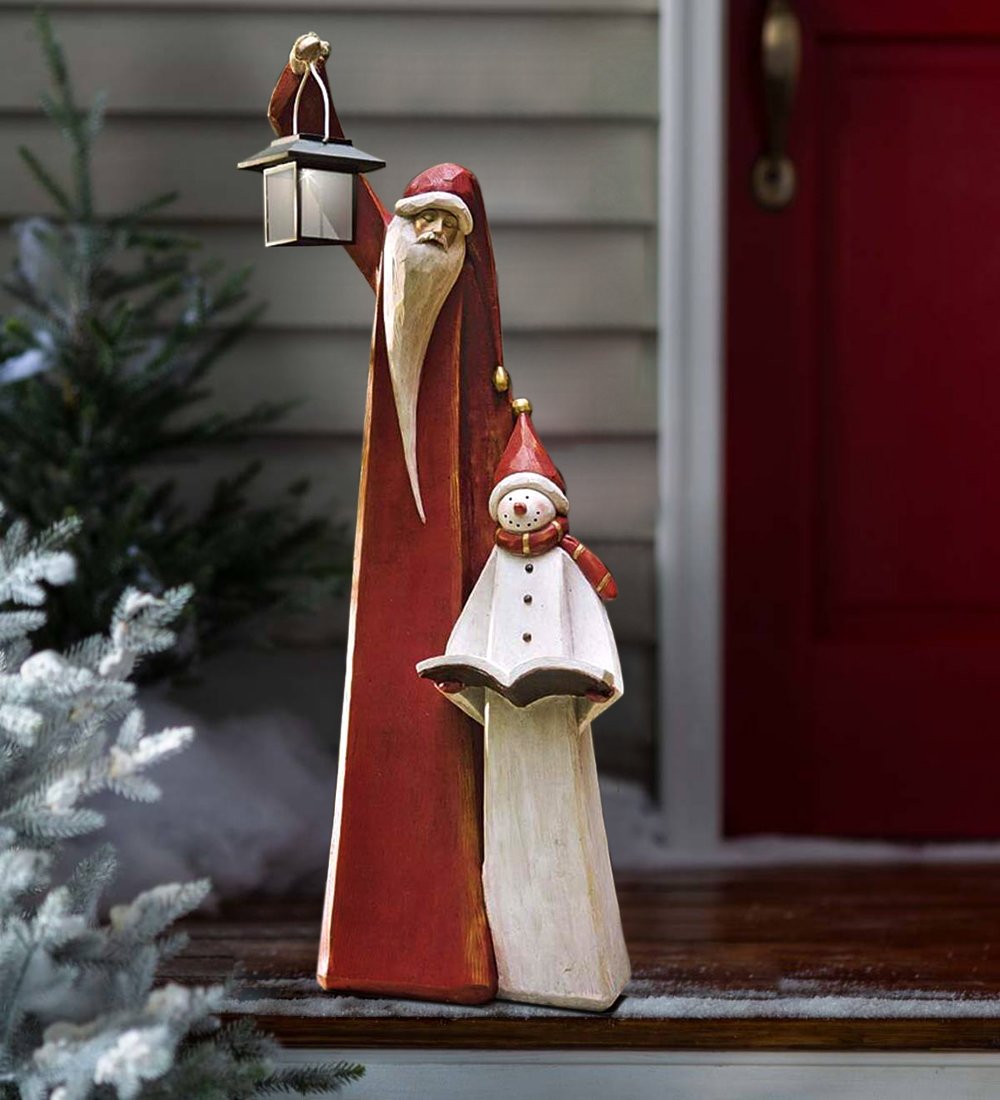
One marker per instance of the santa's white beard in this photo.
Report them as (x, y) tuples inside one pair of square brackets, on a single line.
[(416, 279)]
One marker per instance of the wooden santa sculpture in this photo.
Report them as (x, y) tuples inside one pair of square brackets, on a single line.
[(404, 907), (533, 659)]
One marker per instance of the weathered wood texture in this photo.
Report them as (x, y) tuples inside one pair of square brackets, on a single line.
[(550, 893), (883, 935)]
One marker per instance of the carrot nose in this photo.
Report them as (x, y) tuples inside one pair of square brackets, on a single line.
[(519, 509)]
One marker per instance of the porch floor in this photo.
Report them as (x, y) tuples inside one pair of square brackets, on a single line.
[(870, 957)]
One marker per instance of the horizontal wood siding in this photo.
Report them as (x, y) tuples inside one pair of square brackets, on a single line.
[(619, 477), (552, 103), (572, 172), (161, 60)]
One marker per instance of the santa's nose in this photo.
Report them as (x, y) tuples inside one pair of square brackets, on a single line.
[(519, 509)]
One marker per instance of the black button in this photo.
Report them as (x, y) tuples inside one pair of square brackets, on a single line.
[(525, 637), (529, 568), (527, 599)]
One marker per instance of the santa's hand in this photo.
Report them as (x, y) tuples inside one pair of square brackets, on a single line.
[(596, 695), (449, 687), (308, 49)]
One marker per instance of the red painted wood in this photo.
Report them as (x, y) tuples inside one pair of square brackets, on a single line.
[(895, 19), (863, 406), (525, 451), (404, 911)]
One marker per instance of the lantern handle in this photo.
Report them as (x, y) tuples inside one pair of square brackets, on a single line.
[(326, 101)]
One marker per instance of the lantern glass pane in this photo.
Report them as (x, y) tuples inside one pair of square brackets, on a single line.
[(280, 200), (327, 204)]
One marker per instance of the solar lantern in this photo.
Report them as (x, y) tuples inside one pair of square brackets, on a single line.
[(310, 181)]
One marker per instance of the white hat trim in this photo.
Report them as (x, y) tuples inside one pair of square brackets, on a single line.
[(442, 200), (527, 480)]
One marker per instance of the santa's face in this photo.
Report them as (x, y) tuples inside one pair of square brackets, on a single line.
[(525, 510), (435, 227)]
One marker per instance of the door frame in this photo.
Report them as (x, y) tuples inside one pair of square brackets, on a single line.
[(690, 362)]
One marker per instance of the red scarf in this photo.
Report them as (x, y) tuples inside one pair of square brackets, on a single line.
[(532, 543)]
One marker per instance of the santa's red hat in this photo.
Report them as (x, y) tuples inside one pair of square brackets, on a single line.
[(526, 465)]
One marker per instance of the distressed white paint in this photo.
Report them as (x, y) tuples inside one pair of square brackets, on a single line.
[(502, 640), (598, 1075), (536, 624), (689, 531), (550, 895)]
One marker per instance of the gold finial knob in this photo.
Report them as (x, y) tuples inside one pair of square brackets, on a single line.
[(307, 48), (501, 379), (520, 406)]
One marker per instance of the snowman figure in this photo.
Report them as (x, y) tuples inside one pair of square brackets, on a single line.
[(532, 658)]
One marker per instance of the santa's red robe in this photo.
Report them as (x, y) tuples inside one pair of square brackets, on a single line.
[(404, 907)]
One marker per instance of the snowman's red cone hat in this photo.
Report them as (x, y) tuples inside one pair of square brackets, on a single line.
[(526, 465)]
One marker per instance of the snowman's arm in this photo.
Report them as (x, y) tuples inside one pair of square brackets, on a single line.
[(593, 640), (472, 701), (471, 636), (471, 633)]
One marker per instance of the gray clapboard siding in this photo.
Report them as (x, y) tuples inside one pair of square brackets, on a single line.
[(612, 483), (553, 103), (453, 63), (550, 279), (584, 172), (581, 385)]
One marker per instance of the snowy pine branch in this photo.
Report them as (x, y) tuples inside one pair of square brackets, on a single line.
[(79, 1017)]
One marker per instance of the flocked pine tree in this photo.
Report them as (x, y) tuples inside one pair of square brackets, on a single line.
[(79, 1017), (103, 371)]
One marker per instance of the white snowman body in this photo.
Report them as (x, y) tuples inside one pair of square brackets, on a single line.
[(537, 612), (549, 890)]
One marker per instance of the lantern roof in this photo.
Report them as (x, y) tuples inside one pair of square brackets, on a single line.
[(313, 151)]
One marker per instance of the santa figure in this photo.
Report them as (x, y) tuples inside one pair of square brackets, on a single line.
[(404, 908), (533, 659)]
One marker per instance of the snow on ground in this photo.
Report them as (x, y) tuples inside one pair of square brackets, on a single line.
[(738, 1004), (637, 841), (248, 805)]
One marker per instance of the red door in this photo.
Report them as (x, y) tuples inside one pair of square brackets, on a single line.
[(863, 429)]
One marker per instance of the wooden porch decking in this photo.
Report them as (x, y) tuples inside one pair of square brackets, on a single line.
[(872, 957)]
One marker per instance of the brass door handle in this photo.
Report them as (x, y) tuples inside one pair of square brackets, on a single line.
[(773, 179)]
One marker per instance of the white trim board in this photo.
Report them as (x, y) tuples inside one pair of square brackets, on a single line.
[(584, 1075), (689, 522)]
